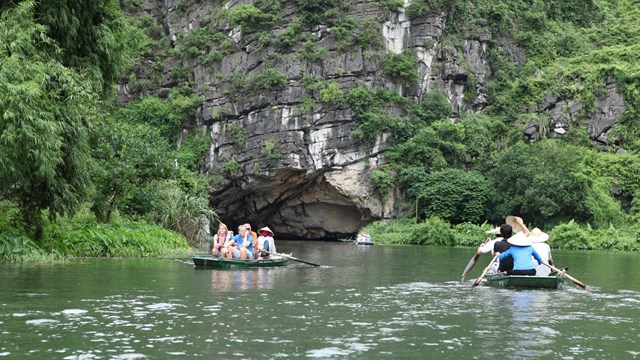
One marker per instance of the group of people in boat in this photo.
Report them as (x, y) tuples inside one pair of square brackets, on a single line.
[(245, 245), (522, 253)]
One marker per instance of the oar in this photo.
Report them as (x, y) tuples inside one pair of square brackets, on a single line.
[(293, 258), (575, 281), (484, 272), (470, 265)]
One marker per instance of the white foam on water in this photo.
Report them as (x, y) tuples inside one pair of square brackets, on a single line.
[(74, 312), (327, 352), (41, 321)]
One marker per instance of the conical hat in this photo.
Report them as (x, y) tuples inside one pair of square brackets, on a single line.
[(519, 239), (511, 220), (266, 228), (537, 236)]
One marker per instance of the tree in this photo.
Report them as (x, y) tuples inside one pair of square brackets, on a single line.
[(452, 194), (49, 99), (548, 182), (129, 158)]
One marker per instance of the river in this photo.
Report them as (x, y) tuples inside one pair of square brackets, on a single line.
[(364, 302)]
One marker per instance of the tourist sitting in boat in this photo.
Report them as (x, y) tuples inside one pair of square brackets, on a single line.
[(221, 241), (521, 252), (506, 231), (266, 245), (538, 238), (254, 236), (241, 248), (488, 246)]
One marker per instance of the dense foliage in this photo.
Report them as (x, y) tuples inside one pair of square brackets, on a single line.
[(65, 147), (67, 144)]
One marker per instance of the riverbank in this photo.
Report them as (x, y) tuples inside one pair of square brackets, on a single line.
[(435, 231), (65, 239)]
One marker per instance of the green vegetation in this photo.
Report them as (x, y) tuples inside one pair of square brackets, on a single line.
[(136, 169), (271, 152), (66, 148)]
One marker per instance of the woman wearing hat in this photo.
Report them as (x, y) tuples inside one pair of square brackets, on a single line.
[(521, 252), (538, 239), (266, 245)]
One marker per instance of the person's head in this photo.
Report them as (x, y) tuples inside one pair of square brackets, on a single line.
[(242, 229), (506, 231), (222, 228), (265, 231), (247, 226)]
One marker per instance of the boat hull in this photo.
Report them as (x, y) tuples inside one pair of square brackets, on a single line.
[(364, 240), (528, 282), (212, 262)]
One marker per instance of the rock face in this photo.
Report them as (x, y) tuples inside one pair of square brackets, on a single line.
[(294, 164)]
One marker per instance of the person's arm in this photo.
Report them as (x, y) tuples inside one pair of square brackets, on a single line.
[(504, 254), (536, 256), (522, 225), (248, 241)]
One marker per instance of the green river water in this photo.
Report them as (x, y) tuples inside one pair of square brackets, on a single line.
[(364, 302)]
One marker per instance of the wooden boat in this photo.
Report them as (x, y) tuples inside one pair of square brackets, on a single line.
[(364, 239), (213, 262), (520, 281)]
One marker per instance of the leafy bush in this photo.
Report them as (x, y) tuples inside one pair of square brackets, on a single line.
[(250, 18), (434, 106), (231, 167), (401, 67), (237, 135), (453, 195), (434, 231), (569, 236), (14, 246), (382, 182), (271, 152), (331, 94), (268, 79), (468, 234)]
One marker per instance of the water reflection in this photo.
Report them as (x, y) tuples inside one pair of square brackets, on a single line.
[(529, 314), (243, 279)]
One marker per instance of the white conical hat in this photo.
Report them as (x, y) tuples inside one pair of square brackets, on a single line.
[(537, 236), (519, 239), (266, 228)]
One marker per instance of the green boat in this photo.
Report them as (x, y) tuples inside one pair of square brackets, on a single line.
[(520, 281), (212, 262)]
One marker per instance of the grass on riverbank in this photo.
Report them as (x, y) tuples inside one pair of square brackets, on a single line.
[(435, 231), (83, 236)]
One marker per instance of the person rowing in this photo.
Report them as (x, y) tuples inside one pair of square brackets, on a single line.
[(521, 252)]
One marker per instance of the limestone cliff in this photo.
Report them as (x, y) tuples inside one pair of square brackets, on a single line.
[(283, 155)]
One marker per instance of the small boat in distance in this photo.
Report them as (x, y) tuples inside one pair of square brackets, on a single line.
[(364, 239), (529, 282), (205, 261)]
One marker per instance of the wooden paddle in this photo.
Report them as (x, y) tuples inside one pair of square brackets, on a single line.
[(575, 281), (470, 265), (484, 272), (292, 258)]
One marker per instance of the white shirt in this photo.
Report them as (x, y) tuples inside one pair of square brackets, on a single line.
[(544, 250), (488, 247), (272, 244)]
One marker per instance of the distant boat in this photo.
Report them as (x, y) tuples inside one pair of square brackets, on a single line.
[(520, 281), (364, 239), (214, 262)]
